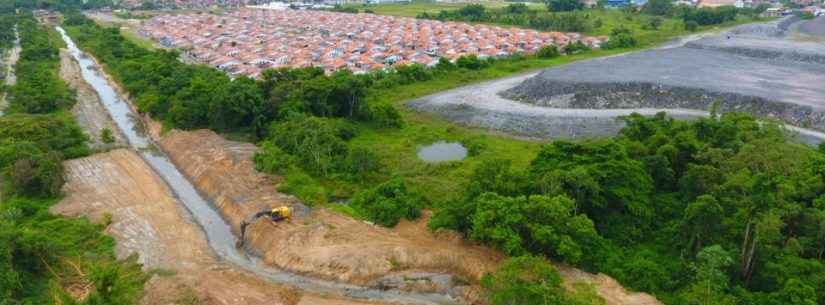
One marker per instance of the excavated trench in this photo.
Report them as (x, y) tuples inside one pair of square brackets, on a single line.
[(218, 231)]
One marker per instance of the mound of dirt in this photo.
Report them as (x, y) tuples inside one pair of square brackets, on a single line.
[(336, 247), (146, 219), (322, 243)]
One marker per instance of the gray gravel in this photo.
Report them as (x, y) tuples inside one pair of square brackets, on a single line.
[(813, 27), (584, 99)]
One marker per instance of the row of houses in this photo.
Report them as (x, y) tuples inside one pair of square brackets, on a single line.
[(246, 41)]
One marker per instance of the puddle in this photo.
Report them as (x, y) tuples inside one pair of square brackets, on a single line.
[(442, 151)]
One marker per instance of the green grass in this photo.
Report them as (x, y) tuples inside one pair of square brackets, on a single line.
[(414, 8), (129, 32), (439, 182)]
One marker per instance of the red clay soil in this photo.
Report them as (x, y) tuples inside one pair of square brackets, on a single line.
[(148, 220)]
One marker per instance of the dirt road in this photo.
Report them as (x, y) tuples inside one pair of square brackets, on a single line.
[(89, 111), (148, 220)]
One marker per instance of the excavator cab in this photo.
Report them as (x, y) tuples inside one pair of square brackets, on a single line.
[(275, 214), (280, 213)]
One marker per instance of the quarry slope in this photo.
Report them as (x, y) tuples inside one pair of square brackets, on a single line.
[(757, 69)]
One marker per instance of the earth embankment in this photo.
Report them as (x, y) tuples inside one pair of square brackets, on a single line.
[(336, 247), (322, 243), (147, 220)]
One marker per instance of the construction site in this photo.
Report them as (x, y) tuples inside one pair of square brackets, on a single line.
[(209, 225), (191, 202)]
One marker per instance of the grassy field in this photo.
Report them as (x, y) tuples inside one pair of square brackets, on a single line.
[(414, 8), (128, 27), (438, 182)]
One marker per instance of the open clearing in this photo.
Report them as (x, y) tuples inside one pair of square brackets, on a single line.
[(756, 70)]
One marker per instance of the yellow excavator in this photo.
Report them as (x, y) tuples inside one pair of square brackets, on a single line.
[(275, 215)]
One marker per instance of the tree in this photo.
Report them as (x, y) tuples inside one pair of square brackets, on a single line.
[(621, 37), (314, 141), (702, 220), (517, 8), (474, 12), (710, 280), (796, 292), (535, 224), (525, 280), (563, 5), (659, 7), (387, 203)]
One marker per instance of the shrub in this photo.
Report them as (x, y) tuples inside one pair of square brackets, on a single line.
[(575, 47), (106, 136), (470, 62), (362, 161), (387, 203), (272, 159), (691, 25), (621, 37), (524, 280), (385, 115), (548, 51)]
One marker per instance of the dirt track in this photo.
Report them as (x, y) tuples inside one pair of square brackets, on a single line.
[(148, 220), (88, 111)]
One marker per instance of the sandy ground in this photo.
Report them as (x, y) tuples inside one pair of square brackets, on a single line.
[(148, 220), (336, 247), (88, 111)]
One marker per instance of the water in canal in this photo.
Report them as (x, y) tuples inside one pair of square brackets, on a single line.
[(218, 232)]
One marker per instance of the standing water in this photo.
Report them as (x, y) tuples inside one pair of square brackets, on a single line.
[(442, 151), (218, 232)]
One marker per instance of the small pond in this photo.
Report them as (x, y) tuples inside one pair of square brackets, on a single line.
[(442, 151)]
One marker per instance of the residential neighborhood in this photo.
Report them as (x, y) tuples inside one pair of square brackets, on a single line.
[(247, 41)]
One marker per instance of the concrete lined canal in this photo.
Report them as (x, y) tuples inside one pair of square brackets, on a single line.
[(217, 231)]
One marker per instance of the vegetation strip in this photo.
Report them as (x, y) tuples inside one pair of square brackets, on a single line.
[(37, 266)]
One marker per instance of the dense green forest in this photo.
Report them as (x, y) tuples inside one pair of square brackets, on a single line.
[(41, 254), (39, 88), (723, 210)]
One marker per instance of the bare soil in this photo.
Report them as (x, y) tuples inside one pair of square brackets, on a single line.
[(336, 247), (88, 111), (147, 219)]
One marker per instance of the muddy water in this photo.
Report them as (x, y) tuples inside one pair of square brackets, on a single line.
[(442, 151), (218, 232)]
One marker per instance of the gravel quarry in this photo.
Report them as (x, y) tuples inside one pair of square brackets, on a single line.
[(760, 69)]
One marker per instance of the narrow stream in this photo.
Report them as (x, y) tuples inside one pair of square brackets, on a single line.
[(218, 232)]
